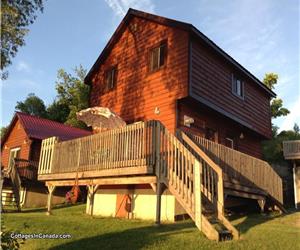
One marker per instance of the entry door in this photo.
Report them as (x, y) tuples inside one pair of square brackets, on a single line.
[(14, 153)]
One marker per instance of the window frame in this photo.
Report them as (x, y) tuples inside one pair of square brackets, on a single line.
[(109, 70), (231, 139), (234, 87), (150, 51), (15, 149)]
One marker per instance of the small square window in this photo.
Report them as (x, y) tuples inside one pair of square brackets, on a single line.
[(229, 142), (110, 78), (237, 86), (158, 57)]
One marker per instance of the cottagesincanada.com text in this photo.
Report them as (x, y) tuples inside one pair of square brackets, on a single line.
[(39, 236)]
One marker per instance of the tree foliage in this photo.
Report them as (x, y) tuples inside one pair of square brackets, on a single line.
[(272, 149), (32, 105), (15, 17), (58, 112), (72, 94), (3, 131), (277, 108)]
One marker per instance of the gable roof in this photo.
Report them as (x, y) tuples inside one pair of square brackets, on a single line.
[(172, 23), (40, 128)]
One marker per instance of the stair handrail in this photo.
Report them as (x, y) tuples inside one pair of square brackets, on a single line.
[(213, 165), (274, 190), (179, 170), (16, 182)]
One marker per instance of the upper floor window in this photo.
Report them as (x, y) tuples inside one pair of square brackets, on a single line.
[(237, 86), (110, 76), (158, 56)]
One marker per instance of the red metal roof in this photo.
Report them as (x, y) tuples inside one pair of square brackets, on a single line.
[(40, 128)]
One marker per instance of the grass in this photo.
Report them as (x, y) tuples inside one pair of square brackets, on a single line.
[(257, 232)]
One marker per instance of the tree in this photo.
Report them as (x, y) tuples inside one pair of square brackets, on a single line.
[(32, 105), (58, 112), (277, 108), (72, 93), (3, 131), (272, 149), (15, 17)]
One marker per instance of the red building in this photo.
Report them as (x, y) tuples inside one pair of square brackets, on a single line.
[(22, 142), (155, 68), (158, 68)]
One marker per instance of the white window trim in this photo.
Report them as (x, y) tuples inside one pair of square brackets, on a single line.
[(232, 142), (240, 92)]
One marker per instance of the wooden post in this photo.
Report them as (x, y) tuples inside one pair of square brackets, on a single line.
[(49, 202), (295, 185), (197, 193), (261, 203), (158, 175), (92, 189), (220, 202), (158, 203)]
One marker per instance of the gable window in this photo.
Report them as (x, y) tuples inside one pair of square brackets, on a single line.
[(237, 86), (110, 76), (158, 56)]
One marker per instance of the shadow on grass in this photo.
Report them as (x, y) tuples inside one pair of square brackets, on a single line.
[(43, 209), (135, 238), (254, 219)]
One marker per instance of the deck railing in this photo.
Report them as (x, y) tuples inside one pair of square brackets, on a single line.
[(246, 169), (27, 169), (291, 149), (180, 171), (130, 146)]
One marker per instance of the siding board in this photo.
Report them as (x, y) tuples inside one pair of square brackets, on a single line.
[(211, 80), (136, 94)]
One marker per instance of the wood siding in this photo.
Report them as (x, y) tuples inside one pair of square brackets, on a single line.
[(211, 81), (204, 119), (137, 92), (16, 138)]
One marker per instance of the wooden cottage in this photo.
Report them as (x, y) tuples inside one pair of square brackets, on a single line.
[(193, 144), (20, 151)]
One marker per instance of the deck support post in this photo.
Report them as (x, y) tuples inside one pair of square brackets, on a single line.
[(295, 184), (158, 203), (261, 203), (49, 201), (158, 174), (92, 189)]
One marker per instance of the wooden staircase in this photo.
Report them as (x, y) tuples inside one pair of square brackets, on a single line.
[(243, 175), (14, 200), (192, 177)]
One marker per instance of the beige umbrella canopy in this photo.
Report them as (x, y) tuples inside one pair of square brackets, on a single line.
[(100, 118)]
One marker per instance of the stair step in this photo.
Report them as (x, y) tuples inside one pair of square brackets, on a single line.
[(225, 235)]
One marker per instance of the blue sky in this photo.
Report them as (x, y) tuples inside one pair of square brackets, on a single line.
[(263, 35)]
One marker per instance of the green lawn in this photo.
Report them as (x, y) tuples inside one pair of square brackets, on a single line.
[(257, 232)]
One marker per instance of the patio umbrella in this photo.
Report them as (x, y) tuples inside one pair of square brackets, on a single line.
[(100, 118)]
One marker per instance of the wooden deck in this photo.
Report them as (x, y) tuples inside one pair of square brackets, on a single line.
[(146, 152), (121, 152), (291, 150)]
